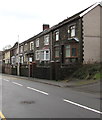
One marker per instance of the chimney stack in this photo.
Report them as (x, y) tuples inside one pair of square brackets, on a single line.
[(45, 26)]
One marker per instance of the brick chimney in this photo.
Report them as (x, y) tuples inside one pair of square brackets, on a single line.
[(45, 26)]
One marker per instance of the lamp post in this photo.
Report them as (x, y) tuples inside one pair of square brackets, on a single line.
[(18, 65)]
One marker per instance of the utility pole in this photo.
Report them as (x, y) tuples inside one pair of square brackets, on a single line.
[(18, 65)]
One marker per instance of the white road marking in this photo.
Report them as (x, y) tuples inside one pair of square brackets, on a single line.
[(82, 106), (38, 90), (6, 80), (17, 83)]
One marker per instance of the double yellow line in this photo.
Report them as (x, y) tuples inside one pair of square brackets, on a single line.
[(2, 116)]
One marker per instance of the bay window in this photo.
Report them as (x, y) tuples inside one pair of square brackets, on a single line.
[(37, 53), (43, 55)]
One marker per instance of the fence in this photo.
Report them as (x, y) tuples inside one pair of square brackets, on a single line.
[(55, 71)]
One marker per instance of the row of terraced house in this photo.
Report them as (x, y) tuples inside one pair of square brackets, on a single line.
[(58, 51)]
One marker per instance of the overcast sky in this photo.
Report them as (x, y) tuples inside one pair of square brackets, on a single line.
[(26, 17)]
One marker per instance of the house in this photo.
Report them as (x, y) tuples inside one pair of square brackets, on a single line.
[(6, 61), (57, 52), (43, 46), (92, 34)]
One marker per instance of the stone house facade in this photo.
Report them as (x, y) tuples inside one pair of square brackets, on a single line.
[(56, 52)]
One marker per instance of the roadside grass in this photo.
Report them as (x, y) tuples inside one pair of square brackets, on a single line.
[(98, 76), (87, 74), (85, 82)]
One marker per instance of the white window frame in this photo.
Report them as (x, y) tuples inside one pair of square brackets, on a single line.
[(31, 45), (72, 29), (37, 55), (47, 55), (30, 59), (37, 42), (57, 35), (46, 40), (42, 55)]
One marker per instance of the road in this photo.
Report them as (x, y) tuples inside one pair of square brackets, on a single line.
[(28, 99)]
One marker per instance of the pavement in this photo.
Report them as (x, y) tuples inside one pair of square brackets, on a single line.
[(90, 87)]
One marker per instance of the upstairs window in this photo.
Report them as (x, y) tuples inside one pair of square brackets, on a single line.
[(31, 45), (25, 47), (46, 40), (37, 42), (71, 31), (72, 28), (21, 49), (57, 35)]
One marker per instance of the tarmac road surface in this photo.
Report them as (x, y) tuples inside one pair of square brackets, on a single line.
[(28, 99)]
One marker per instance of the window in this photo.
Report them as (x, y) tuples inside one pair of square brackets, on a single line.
[(43, 55), (67, 54), (74, 52), (21, 49), (47, 55), (71, 51), (13, 60), (37, 42), (37, 55), (71, 31), (31, 45), (25, 47), (30, 59), (21, 59), (7, 61), (56, 52), (46, 40), (57, 36), (25, 58)]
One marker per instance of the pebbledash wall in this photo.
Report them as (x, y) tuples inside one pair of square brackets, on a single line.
[(87, 42)]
